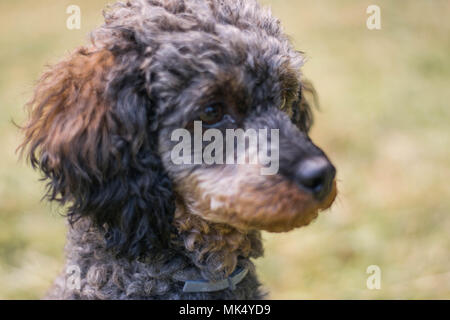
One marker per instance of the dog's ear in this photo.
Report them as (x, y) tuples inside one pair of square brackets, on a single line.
[(89, 133), (302, 111)]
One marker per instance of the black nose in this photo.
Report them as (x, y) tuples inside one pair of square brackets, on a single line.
[(316, 175)]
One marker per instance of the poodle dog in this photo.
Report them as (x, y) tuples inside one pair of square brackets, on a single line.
[(100, 131)]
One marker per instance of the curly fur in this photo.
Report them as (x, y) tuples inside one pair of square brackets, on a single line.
[(200, 251), (99, 131)]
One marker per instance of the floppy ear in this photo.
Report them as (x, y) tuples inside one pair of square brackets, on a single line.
[(302, 111), (89, 134)]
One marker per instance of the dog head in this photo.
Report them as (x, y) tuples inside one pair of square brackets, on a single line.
[(102, 122)]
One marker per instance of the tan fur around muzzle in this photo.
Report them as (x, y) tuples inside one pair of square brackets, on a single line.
[(238, 195)]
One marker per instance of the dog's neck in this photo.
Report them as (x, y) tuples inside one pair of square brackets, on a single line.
[(200, 250), (215, 248)]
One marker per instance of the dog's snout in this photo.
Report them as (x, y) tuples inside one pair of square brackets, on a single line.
[(316, 175)]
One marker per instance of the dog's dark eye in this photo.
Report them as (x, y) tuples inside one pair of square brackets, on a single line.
[(212, 114)]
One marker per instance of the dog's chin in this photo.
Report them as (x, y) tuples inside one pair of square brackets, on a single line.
[(285, 218), (304, 217), (279, 210)]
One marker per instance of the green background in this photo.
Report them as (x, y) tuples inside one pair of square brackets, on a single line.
[(384, 121)]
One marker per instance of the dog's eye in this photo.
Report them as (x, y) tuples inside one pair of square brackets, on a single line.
[(212, 114)]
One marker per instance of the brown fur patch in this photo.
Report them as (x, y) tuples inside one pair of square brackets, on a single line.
[(68, 110), (241, 197)]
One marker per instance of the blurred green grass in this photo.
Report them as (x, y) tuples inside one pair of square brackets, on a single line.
[(384, 122)]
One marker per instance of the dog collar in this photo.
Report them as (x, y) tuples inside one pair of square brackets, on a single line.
[(211, 286)]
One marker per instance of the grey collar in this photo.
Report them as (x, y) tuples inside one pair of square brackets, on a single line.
[(211, 286)]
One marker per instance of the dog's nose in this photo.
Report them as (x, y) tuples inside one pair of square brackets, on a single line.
[(316, 175)]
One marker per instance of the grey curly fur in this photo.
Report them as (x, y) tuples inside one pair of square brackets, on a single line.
[(104, 276), (127, 198), (163, 27)]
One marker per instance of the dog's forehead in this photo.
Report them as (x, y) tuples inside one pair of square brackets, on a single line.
[(207, 46), (196, 68)]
